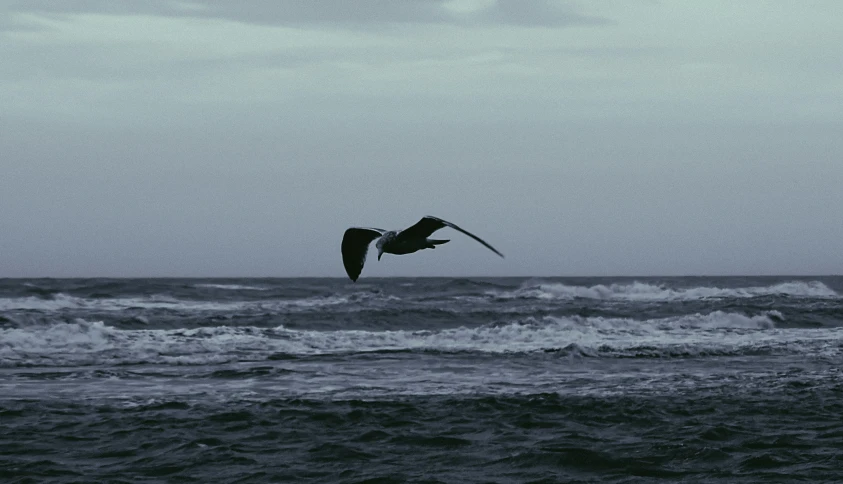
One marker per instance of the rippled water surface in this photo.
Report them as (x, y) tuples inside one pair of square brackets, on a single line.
[(422, 380)]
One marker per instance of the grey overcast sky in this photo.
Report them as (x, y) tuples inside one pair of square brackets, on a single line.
[(600, 137)]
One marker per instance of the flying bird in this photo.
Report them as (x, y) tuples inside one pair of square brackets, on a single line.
[(356, 240)]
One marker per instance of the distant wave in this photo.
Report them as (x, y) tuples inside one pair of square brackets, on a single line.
[(90, 343), (366, 300), (61, 301), (231, 287), (639, 291)]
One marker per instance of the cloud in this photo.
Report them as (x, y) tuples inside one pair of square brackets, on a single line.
[(544, 13)]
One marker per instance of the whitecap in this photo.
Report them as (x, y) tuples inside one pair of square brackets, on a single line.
[(231, 287), (87, 343), (640, 291)]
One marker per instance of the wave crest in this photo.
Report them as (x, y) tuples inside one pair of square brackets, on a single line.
[(61, 301), (640, 291), (91, 343)]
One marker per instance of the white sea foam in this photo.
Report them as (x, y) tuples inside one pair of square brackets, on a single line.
[(640, 291), (635, 291), (62, 301), (89, 343), (231, 287)]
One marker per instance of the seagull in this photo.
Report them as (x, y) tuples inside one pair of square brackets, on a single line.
[(356, 240)]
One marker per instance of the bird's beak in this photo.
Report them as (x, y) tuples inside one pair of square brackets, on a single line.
[(380, 253)]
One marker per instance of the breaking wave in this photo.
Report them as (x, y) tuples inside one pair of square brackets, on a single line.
[(639, 291), (231, 287), (91, 343), (61, 301)]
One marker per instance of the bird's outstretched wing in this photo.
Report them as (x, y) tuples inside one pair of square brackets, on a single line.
[(355, 245), (429, 224)]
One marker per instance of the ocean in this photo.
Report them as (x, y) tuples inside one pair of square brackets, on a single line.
[(472, 380)]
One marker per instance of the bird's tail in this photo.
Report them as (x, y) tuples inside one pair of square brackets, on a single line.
[(432, 243)]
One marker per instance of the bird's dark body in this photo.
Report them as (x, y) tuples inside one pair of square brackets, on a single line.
[(355, 242), (392, 243)]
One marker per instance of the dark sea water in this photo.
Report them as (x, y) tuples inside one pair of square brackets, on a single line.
[(422, 380)]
